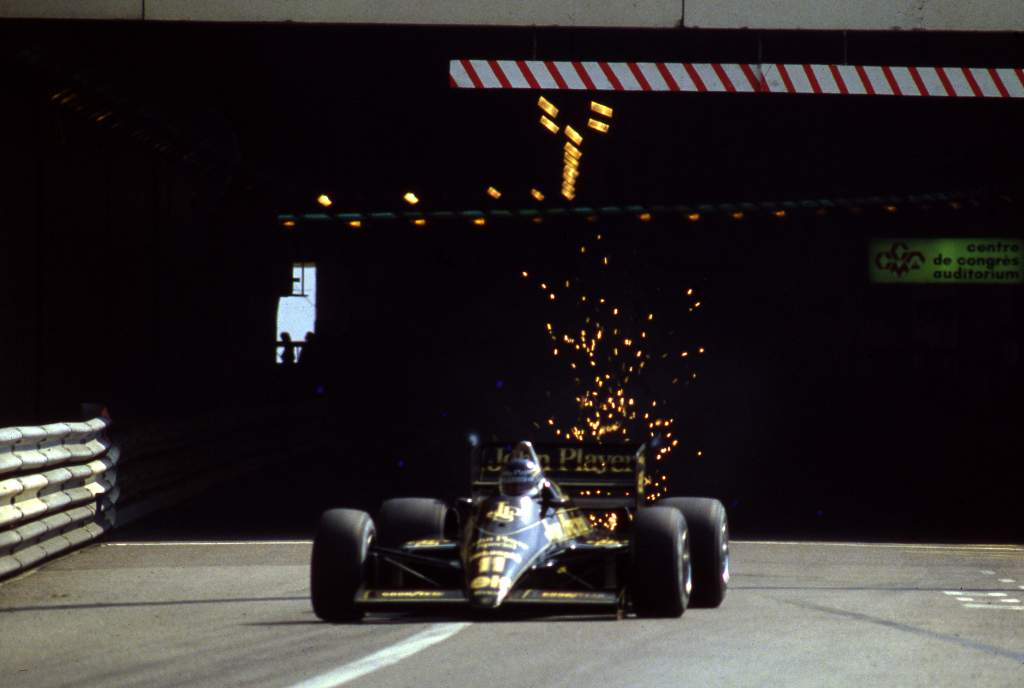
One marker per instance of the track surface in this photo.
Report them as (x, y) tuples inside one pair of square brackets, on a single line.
[(797, 614)]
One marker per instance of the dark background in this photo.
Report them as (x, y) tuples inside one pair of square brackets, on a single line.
[(144, 169)]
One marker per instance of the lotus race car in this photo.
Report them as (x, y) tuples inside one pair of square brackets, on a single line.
[(590, 542)]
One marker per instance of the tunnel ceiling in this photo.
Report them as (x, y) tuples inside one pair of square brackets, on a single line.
[(365, 114)]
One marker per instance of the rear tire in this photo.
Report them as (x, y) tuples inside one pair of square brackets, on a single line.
[(338, 566), (661, 578), (709, 530), (410, 518)]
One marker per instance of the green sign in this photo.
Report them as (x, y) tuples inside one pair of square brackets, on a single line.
[(946, 261)]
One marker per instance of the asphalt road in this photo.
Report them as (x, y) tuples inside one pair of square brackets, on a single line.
[(797, 614)]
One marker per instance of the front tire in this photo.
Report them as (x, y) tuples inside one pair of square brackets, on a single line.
[(338, 566), (410, 518), (661, 578), (709, 528)]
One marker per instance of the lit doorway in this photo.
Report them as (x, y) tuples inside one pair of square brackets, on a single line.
[(296, 314)]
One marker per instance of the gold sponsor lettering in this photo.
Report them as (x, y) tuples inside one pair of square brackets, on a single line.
[(620, 463), (424, 543), (558, 595), (494, 564), (503, 512), (566, 527), (570, 460), (553, 531), (408, 594), (499, 542), (490, 553), (492, 582), (495, 462)]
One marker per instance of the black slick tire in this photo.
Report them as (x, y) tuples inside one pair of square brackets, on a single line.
[(338, 567), (709, 534), (661, 577), (410, 518)]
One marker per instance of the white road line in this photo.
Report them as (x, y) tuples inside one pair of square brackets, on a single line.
[(965, 599), (988, 573), (1010, 600), (1021, 587), (1007, 580), (1019, 607), (952, 592), (888, 545), (208, 543), (997, 594), (386, 657)]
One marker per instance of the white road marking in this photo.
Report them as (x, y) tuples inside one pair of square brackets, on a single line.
[(953, 592), (386, 657), (997, 594), (988, 573), (888, 545), (208, 543), (1021, 587), (1007, 580), (965, 599), (994, 606), (1010, 600)]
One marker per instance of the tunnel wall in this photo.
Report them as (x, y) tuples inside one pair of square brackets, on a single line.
[(824, 403), (123, 279)]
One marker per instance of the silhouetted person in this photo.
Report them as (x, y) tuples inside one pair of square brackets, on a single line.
[(309, 355), (288, 355)]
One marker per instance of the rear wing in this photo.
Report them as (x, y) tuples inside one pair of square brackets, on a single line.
[(606, 476)]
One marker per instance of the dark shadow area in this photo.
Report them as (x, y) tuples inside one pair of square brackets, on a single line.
[(146, 261)]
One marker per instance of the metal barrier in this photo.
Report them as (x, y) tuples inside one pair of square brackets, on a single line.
[(58, 485)]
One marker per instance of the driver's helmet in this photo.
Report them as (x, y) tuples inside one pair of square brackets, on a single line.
[(521, 476)]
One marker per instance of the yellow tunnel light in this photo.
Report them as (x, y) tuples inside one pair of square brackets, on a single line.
[(598, 125), (324, 200), (573, 135), (548, 124), (493, 193), (738, 215), (547, 106), (602, 110), (420, 222), (693, 217), (288, 223), (568, 195), (571, 161), (644, 217), (355, 224), (570, 172), (537, 195), (410, 198), (572, 150), (479, 221), (779, 214)]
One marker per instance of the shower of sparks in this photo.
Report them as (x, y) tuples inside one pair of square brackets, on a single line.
[(606, 348)]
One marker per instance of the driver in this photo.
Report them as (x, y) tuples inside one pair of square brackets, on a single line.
[(522, 477)]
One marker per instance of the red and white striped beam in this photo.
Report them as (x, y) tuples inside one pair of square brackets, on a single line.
[(686, 77)]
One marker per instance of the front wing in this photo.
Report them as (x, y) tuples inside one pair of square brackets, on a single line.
[(442, 555)]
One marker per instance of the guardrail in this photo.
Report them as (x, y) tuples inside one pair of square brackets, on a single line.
[(65, 484), (58, 485)]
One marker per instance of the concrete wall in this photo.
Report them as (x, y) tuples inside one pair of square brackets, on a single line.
[(933, 15), (582, 13), (878, 15)]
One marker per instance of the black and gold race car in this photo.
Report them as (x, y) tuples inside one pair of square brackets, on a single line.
[(589, 542)]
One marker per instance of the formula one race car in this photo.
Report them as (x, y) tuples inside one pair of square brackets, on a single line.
[(564, 528)]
